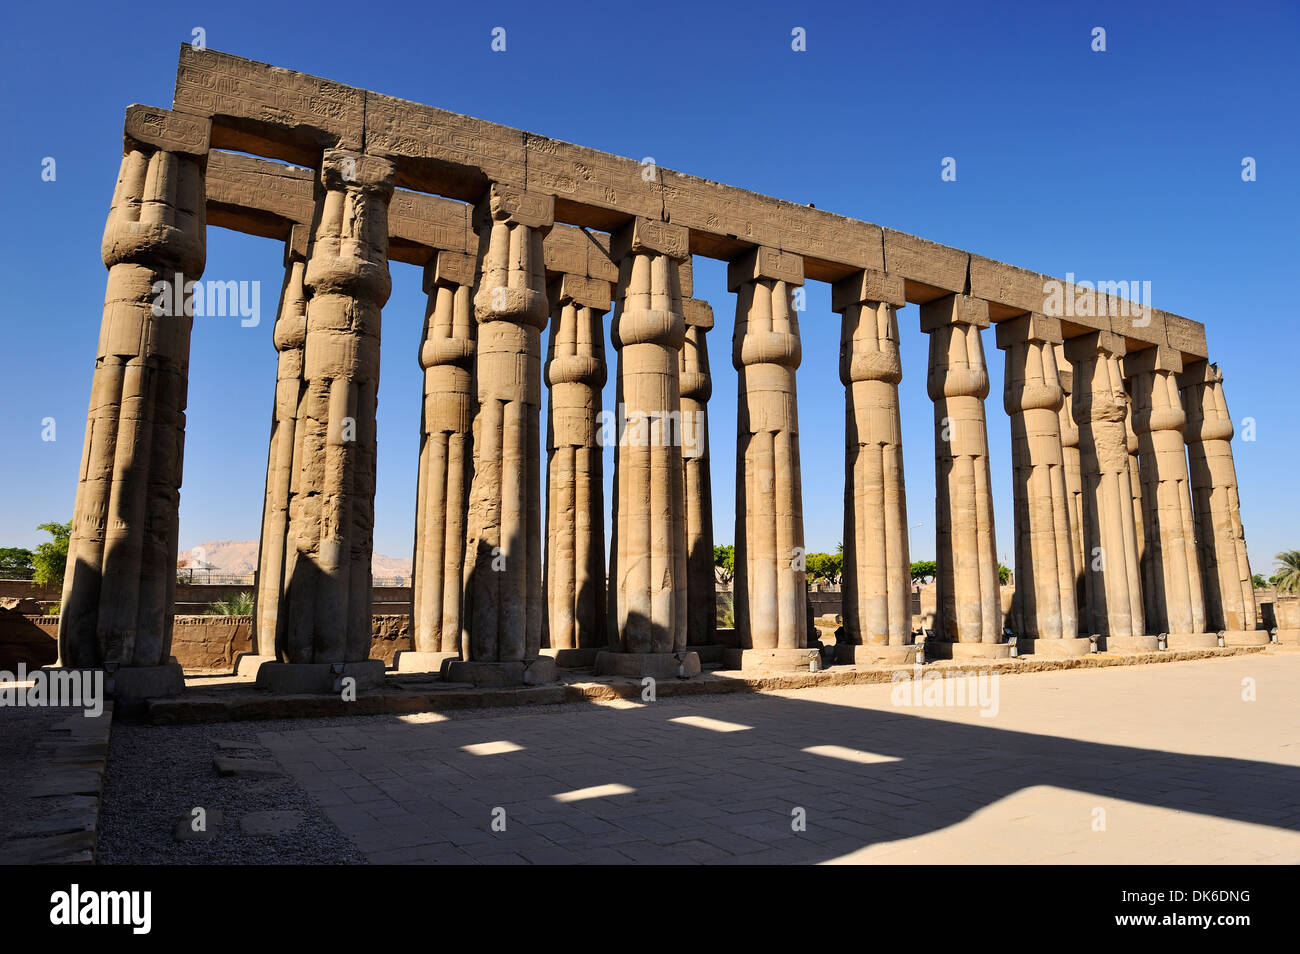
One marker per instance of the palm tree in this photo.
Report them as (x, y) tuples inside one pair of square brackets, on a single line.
[(1287, 577)]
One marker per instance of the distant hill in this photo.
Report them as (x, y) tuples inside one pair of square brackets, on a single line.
[(240, 557)]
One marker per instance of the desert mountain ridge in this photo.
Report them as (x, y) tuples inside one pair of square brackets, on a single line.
[(240, 557)]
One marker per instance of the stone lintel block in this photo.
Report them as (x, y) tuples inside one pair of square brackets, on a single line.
[(686, 277), (1159, 358), (297, 244), (431, 222), (954, 310), (260, 186), (1199, 372), (650, 235), (1031, 327), (449, 268), (582, 291), (1093, 343), (926, 262), (763, 262), (150, 128), (697, 312), (536, 210), (1017, 288), (868, 285), (566, 250), (344, 169), (1185, 335)]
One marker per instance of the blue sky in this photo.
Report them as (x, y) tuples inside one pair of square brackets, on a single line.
[(1117, 165)]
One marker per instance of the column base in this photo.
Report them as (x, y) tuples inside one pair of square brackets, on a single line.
[(137, 683), (868, 654), (1192, 641), (247, 664), (318, 678), (711, 653), (941, 649), (1288, 637), (1054, 648), (655, 665), (786, 660), (1251, 637), (511, 672), (572, 658), (1129, 644), (409, 660)]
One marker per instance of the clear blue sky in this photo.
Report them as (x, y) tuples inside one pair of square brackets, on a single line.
[(1117, 165)]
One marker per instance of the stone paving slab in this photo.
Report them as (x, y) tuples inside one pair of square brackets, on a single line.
[(1191, 762)]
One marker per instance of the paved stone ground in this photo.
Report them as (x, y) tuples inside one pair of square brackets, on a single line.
[(1150, 764)]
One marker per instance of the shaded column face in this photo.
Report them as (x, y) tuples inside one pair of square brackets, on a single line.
[(503, 613), (120, 582), (1221, 538), (968, 603), (1171, 567), (327, 589), (575, 522), (1112, 577), (442, 489), (876, 583), (696, 389), (1044, 605), (1073, 480), (648, 565), (290, 337), (770, 585)]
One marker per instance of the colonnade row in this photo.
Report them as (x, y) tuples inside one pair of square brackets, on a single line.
[(1127, 522)]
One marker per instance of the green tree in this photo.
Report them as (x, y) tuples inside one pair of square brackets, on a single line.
[(1004, 574), (16, 563), (1287, 578), (1258, 581), (824, 566), (724, 562), (923, 571), (51, 558), (241, 604)]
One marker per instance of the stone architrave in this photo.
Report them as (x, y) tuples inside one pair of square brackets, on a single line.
[(1221, 539), (575, 518), (325, 609), (120, 583), (771, 592), (1044, 607), (647, 600), (442, 494), (876, 582), (696, 389), (1073, 481), (1113, 574), (968, 611), (504, 611)]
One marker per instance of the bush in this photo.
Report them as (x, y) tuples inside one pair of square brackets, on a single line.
[(238, 605)]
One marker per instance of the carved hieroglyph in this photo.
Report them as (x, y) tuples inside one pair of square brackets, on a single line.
[(1113, 576), (1171, 570), (696, 389), (503, 610), (1229, 594), (770, 587), (325, 613), (877, 574), (648, 553), (1044, 604), (120, 583), (442, 494), (968, 603), (575, 492)]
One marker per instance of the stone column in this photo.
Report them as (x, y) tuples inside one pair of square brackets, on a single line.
[(1135, 481), (503, 609), (325, 611), (1073, 481), (120, 583), (1221, 539), (647, 599), (289, 336), (770, 585), (442, 489), (1171, 572), (575, 497), (877, 580), (968, 611), (1113, 574), (696, 389), (1044, 607)]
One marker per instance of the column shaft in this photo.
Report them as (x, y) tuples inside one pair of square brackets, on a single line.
[(696, 389), (1073, 482)]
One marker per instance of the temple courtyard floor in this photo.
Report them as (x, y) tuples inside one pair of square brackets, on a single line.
[(1183, 762)]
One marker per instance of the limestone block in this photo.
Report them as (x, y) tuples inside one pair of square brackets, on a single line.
[(925, 262), (868, 285)]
